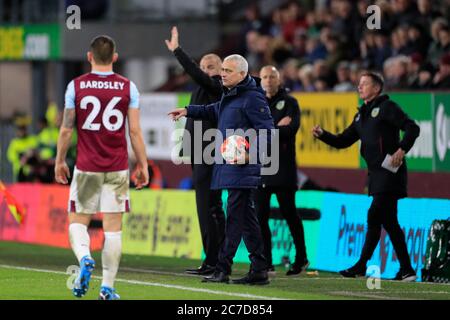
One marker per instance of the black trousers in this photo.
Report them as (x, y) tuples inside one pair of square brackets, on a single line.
[(210, 213), (286, 200), (241, 223), (383, 213)]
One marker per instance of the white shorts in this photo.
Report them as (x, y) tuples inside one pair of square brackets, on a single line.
[(92, 192)]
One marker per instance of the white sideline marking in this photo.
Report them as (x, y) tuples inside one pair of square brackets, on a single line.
[(166, 273), (156, 284), (367, 296)]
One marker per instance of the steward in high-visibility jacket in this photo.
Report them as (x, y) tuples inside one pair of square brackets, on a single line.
[(18, 146), (47, 140)]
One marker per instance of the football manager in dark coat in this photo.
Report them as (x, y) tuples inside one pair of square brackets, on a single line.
[(286, 115), (243, 106), (377, 124), (209, 202)]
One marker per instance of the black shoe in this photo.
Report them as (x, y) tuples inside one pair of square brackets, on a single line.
[(354, 272), (405, 276), (203, 270), (297, 268), (253, 278), (217, 277)]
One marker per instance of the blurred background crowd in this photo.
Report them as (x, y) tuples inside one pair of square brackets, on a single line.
[(318, 46), (324, 46)]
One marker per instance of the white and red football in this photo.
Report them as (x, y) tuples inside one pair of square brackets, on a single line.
[(234, 148)]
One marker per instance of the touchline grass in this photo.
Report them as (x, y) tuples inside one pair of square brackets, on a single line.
[(35, 272)]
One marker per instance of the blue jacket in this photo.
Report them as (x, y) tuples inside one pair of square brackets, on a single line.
[(243, 107)]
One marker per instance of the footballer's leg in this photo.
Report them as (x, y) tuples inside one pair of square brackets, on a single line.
[(112, 251), (84, 201), (114, 202), (80, 242)]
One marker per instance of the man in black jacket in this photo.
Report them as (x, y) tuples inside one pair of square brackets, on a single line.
[(209, 202), (377, 124), (286, 115)]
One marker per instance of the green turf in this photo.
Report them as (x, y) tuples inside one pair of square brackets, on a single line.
[(142, 277)]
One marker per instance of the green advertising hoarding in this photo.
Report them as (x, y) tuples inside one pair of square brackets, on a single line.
[(421, 107), (30, 42), (442, 132)]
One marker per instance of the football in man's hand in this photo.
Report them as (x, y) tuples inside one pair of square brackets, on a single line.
[(234, 148)]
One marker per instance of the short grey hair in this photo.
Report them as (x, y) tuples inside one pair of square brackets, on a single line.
[(241, 63)]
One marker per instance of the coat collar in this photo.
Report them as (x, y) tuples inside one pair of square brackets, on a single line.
[(374, 102), (281, 93), (248, 83)]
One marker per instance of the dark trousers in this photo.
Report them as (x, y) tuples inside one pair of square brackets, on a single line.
[(210, 213), (241, 223), (383, 213), (286, 200)]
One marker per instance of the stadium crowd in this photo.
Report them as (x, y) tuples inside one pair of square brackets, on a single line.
[(326, 48)]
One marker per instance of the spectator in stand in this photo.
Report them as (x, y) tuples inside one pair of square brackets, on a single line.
[(276, 24), (280, 51), (343, 75), (294, 18), (322, 71), (346, 24), (436, 48), (253, 22), (418, 40), (252, 53), (441, 80), (404, 12), (321, 84), (305, 74), (315, 50), (424, 78), (382, 50), (406, 47), (355, 70), (313, 24), (415, 62), (262, 50), (427, 13), (299, 44), (396, 71), (395, 44), (289, 74), (367, 49), (334, 50)]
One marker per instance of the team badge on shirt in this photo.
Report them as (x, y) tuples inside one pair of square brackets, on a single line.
[(375, 112), (280, 105)]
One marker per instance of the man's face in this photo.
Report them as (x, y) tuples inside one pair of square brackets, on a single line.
[(270, 80), (230, 74), (210, 66), (367, 89), (343, 74)]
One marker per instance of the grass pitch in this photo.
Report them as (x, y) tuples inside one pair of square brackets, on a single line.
[(34, 272)]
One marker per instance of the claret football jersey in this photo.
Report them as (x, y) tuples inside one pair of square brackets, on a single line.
[(101, 101)]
